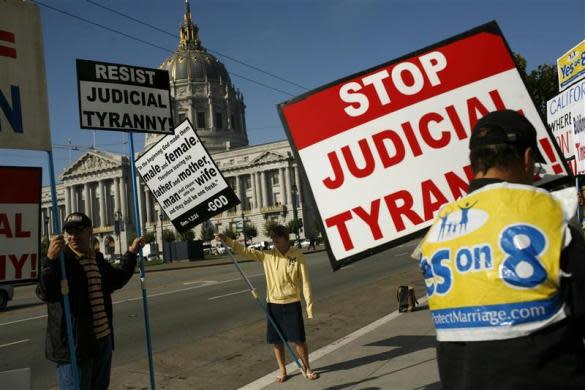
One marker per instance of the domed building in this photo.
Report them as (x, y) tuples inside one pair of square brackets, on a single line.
[(202, 91), (265, 177)]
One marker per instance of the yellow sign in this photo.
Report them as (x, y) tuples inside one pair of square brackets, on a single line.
[(571, 66), (491, 263)]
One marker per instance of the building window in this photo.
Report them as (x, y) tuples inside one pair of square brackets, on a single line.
[(182, 117), (248, 182), (274, 180), (218, 120), (201, 120), (248, 203), (233, 122), (276, 199)]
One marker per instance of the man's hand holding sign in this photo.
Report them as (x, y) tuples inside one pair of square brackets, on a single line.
[(401, 131)]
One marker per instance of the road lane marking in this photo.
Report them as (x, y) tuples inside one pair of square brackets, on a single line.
[(224, 281), (227, 295), (16, 342), (23, 320), (205, 283), (292, 367)]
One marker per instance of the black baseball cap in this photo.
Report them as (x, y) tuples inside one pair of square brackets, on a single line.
[(505, 127), (77, 221)]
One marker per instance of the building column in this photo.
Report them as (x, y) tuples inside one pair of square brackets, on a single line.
[(282, 186), (259, 191), (242, 187), (264, 189), (102, 191), (117, 205), (140, 202), (253, 185), (238, 193), (288, 186), (67, 200), (87, 203), (148, 205), (124, 200), (298, 183)]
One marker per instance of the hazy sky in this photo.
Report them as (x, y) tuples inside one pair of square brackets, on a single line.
[(310, 43)]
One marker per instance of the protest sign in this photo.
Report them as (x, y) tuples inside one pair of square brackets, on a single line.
[(561, 112), (20, 201), (579, 138), (123, 98), (184, 179), (24, 112), (384, 149), (571, 66)]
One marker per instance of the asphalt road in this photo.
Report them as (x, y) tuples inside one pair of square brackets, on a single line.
[(185, 305)]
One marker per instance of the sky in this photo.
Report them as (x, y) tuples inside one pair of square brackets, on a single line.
[(309, 43)]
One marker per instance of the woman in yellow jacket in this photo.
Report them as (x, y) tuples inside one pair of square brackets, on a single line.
[(286, 273)]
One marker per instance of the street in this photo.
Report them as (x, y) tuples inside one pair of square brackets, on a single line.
[(190, 307)]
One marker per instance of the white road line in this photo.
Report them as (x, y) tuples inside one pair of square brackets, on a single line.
[(16, 342), (205, 283), (227, 295), (292, 367), (23, 320), (223, 281)]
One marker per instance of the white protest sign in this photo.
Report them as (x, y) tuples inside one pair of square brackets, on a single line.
[(123, 97), (384, 149), (20, 201), (184, 179), (561, 111), (24, 112)]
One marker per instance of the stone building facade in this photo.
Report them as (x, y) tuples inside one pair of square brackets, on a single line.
[(265, 177)]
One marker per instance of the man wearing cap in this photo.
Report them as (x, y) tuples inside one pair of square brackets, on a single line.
[(91, 282), (507, 289)]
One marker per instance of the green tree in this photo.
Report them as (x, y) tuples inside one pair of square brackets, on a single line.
[(149, 237), (542, 82), (187, 236), (168, 235), (250, 231), (268, 226), (293, 224), (207, 233), (229, 233)]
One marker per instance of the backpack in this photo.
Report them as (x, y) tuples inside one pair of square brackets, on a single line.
[(406, 299)]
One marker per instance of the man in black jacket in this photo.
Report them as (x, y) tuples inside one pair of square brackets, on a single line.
[(91, 282), (507, 290)]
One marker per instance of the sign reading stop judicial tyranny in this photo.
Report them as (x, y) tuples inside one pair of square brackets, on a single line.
[(184, 179), (20, 201), (384, 149), (24, 113), (123, 97)]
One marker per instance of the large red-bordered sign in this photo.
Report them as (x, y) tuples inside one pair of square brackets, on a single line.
[(384, 149)]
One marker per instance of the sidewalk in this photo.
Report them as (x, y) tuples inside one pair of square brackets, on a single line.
[(395, 352)]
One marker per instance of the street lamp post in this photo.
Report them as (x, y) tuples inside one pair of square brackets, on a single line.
[(294, 191), (243, 226), (160, 217), (117, 229)]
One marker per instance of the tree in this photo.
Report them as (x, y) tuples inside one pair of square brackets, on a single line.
[(187, 236), (293, 224), (250, 231), (229, 233), (168, 235), (542, 82), (207, 233), (149, 237), (268, 226)]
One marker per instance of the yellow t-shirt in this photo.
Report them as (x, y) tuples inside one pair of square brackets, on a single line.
[(285, 274)]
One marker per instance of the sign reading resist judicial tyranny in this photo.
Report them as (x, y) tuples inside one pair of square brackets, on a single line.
[(384, 149), (24, 112), (123, 97), (20, 202), (184, 179)]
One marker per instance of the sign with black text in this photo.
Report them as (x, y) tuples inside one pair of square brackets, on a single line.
[(384, 149), (20, 207), (123, 98), (184, 179)]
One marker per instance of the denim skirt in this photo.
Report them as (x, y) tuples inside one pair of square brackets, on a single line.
[(289, 320)]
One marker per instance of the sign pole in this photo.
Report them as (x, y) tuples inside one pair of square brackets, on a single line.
[(579, 215), (64, 284), (142, 276), (257, 299)]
